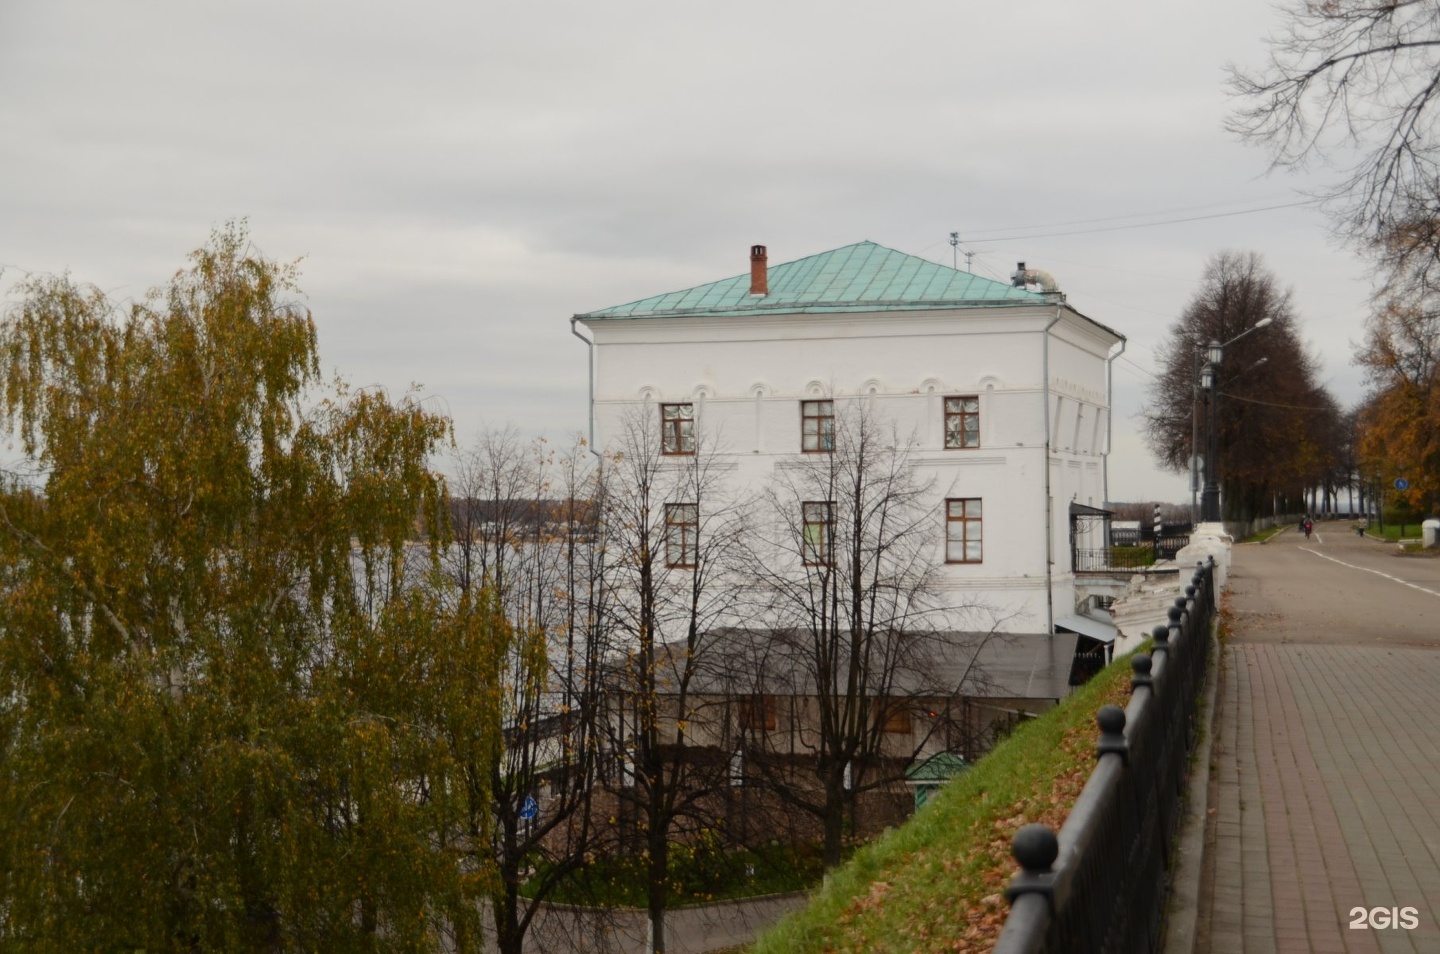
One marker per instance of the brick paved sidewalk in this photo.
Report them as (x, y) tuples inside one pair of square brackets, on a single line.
[(1324, 798)]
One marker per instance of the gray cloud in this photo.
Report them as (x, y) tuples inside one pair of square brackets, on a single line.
[(461, 178)]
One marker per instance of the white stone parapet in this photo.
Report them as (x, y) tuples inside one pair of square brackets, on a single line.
[(1148, 599), (1209, 540)]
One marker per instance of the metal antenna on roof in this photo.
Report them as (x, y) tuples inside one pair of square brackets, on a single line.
[(969, 254)]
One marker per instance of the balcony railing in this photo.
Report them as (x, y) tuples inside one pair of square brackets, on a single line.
[(1111, 558), (1127, 558)]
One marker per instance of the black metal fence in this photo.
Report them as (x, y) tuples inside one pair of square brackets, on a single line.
[(1111, 558), (1100, 885), (1117, 557), (1168, 544)]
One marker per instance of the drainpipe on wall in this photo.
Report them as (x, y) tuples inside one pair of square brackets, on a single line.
[(1109, 421), (1049, 508), (590, 361)]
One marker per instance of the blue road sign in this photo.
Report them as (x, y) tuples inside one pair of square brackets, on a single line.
[(528, 808), (1401, 483)]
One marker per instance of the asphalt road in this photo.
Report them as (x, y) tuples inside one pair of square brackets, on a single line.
[(1335, 588)]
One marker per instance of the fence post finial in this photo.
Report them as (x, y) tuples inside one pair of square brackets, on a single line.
[(1111, 720), (1141, 664), (1036, 848), (1161, 635)]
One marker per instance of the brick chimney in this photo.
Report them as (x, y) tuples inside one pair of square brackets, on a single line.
[(759, 272)]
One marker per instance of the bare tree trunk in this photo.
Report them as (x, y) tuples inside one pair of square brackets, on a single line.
[(509, 938), (834, 821), (673, 529), (658, 887)]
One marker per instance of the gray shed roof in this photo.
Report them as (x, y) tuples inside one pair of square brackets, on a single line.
[(1004, 666)]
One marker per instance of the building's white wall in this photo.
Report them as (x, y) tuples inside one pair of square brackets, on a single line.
[(748, 375)]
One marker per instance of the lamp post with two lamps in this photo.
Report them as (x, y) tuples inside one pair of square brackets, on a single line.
[(1209, 375)]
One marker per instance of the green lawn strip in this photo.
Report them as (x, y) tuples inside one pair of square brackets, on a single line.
[(1133, 556), (940, 878), (1395, 532)]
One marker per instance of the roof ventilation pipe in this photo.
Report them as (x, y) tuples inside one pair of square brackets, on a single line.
[(1033, 276), (1046, 281)]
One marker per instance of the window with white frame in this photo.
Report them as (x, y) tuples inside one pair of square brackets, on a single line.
[(963, 531)]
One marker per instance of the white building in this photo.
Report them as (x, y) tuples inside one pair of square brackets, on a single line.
[(1006, 387)]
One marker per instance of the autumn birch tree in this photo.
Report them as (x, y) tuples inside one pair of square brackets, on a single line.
[(1399, 423), (231, 718)]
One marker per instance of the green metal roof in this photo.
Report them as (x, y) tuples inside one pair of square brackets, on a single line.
[(937, 768), (859, 277)]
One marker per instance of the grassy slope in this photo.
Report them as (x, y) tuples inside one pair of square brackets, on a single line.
[(937, 883)]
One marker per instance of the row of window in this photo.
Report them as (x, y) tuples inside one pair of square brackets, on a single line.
[(817, 425), (964, 532)]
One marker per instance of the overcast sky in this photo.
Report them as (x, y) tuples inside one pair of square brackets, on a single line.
[(461, 178)]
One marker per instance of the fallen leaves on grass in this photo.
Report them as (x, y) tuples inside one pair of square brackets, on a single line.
[(973, 922)]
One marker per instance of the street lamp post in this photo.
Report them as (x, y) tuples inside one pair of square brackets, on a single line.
[(1209, 379), (1210, 495)]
